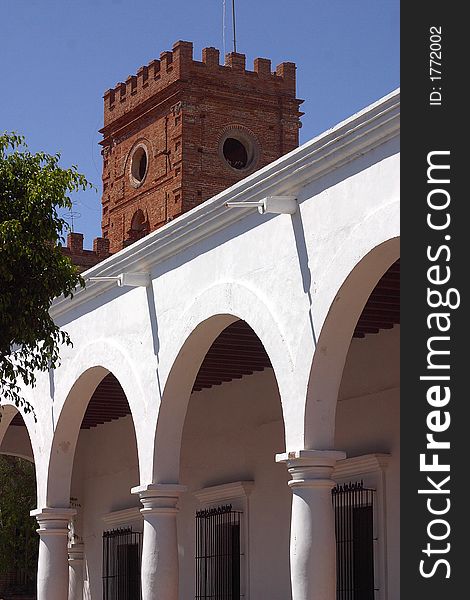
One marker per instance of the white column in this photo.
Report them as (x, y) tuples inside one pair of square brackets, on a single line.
[(53, 568), (160, 542), (312, 544), (76, 572)]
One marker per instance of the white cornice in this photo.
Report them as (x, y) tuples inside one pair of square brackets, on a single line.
[(360, 465), (122, 517), (227, 491), (343, 143)]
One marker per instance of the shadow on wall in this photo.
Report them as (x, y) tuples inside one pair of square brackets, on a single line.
[(302, 254)]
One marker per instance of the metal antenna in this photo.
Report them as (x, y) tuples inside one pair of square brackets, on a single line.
[(233, 23), (224, 9), (73, 215)]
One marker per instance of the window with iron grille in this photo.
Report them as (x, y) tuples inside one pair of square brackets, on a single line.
[(122, 554), (218, 553), (354, 528)]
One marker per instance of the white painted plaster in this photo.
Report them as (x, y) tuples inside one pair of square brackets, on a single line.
[(299, 281)]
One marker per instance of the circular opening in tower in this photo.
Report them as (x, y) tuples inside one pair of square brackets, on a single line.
[(139, 165), (239, 149), (235, 153)]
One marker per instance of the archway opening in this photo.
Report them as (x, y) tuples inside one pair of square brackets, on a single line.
[(18, 539), (236, 352), (105, 467), (382, 309), (367, 428), (234, 519), (139, 227)]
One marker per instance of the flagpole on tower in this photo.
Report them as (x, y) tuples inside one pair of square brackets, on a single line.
[(224, 12), (233, 24)]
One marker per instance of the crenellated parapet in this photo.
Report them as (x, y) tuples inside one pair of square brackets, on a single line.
[(179, 66), (81, 257)]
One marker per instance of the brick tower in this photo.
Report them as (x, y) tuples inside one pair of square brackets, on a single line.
[(181, 131)]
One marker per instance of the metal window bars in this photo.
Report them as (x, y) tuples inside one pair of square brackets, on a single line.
[(218, 553), (354, 525), (122, 555)]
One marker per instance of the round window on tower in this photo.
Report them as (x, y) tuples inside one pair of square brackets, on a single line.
[(239, 149), (235, 153), (138, 165)]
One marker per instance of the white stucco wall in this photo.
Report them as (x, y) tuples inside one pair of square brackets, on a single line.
[(289, 277), (277, 272)]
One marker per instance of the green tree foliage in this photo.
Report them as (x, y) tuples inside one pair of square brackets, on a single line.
[(34, 193), (18, 538)]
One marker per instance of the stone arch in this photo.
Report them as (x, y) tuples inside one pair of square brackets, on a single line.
[(208, 316), (9, 412), (332, 347), (93, 363), (35, 430), (20, 454)]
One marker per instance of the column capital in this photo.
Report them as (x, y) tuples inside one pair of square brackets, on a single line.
[(311, 468), (159, 498), (75, 553), (311, 457), (53, 521)]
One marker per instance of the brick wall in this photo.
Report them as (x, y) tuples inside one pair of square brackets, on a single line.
[(85, 259), (178, 111)]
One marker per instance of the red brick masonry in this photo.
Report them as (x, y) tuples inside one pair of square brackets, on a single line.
[(180, 111), (84, 259)]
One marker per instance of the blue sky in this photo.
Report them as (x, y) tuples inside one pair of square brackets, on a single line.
[(57, 58)]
